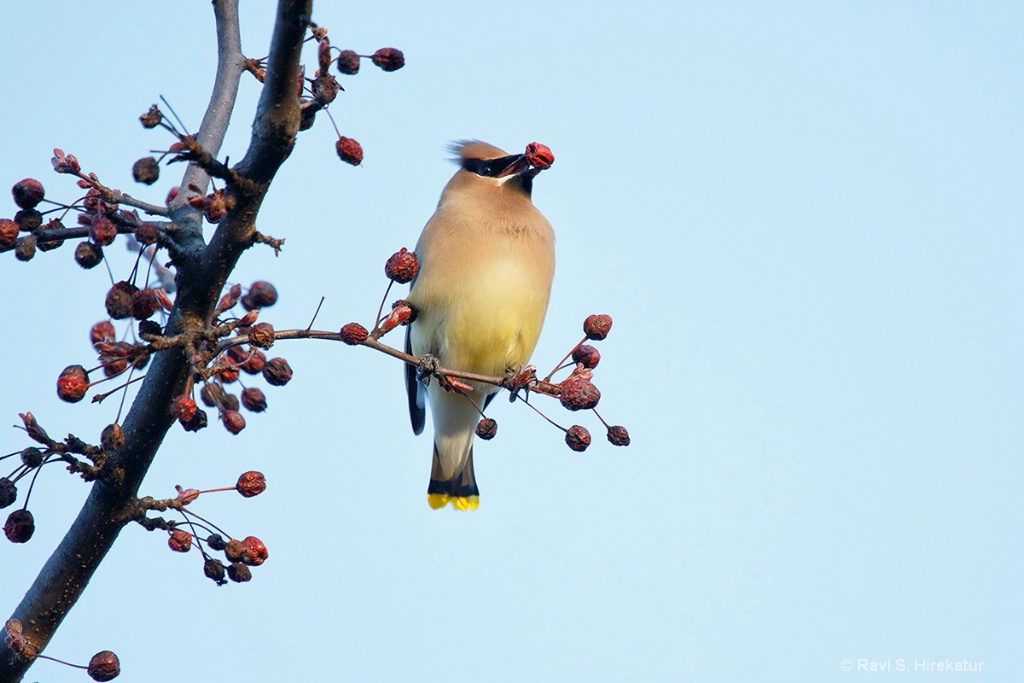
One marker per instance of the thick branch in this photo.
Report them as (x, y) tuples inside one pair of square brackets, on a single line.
[(201, 275)]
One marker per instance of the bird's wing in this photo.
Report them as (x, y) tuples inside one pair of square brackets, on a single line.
[(416, 392)]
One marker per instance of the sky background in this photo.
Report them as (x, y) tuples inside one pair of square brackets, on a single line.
[(805, 219)]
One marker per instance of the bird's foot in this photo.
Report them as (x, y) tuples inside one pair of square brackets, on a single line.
[(427, 367)]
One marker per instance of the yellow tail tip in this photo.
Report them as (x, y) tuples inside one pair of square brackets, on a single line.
[(461, 503)]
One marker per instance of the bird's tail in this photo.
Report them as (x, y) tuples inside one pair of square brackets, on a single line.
[(460, 490)]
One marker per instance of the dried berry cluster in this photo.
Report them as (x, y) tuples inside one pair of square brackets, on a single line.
[(232, 348), (317, 93), (576, 392), (240, 554), (80, 458)]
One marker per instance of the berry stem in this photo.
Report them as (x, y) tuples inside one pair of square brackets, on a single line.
[(560, 365)]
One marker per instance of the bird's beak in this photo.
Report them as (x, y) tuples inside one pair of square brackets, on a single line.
[(517, 163)]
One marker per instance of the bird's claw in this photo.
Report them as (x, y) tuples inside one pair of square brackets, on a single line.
[(427, 367)]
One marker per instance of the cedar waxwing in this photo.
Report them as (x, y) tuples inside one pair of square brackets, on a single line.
[(486, 261)]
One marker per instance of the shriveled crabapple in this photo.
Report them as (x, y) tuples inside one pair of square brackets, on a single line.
[(262, 294), (102, 231), (239, 573), (88, 255), (578, 393), (25, 248), (20, 526), (28, 220), (618, 435), (214, 570), (597, 327), (72, 383), (486, 428), (402, 266), (388, 58), (354, 334), (539, 155), (577, 438), (348, 62), (146, 171), (586, 355), (28, 193), (251, 483), (277, 372), (233, 421), (104, 666), (180, 541), (8, 232), (349, 150), (45, 240), (255, 552), (102, 331), (183, 408), (254, 400)]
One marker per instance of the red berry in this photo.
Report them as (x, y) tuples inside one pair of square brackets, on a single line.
[(119, 300), (262, 294), (389, 59), (183, 408), (597, 327), (539, 155), (348, 62), (254, 362), (255, 551), (104, 666), (353, 334), (577, 438), (251, 483), (28, 193), (8, 232), (102, 231), (180, 541), (579, 394), (277, 372), (102, 331), (486, 429), (402, 266), (144, 304), (233, 421), (254, 400), (618, 435), (146, 233), (87, 255), (72, 383), (350, 151), (587, 355), (19, 526)]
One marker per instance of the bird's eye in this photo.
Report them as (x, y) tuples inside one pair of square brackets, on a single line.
[(484, 170)]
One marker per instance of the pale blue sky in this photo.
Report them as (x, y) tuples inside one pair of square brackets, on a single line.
[(805, 219)]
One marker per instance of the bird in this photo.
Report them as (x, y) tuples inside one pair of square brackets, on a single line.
[(486, 263)]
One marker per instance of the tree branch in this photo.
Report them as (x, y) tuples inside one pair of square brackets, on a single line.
[(201, 274)]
